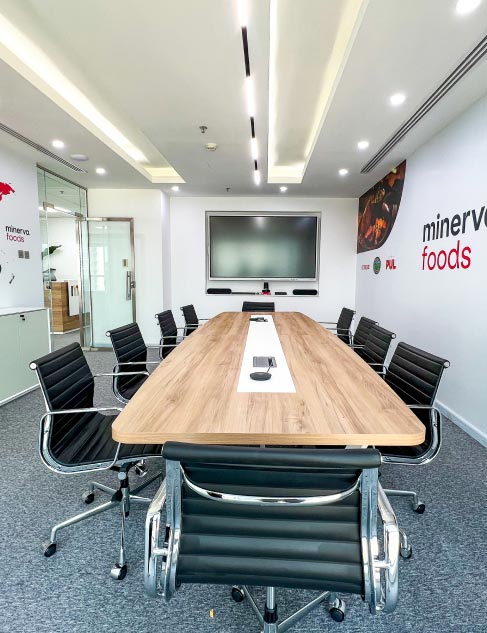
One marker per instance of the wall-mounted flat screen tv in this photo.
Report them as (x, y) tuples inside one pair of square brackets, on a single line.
[(262, 246)]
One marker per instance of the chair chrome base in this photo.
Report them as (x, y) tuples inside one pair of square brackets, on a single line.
[(418, 506), (269, 620), (122, 498)]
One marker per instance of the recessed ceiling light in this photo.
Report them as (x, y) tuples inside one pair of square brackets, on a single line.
[(283, 189), (174, 188), (397, 99), (343, 171), (257, 178), (363, 144), (79, 157), (101, 171), (467, 6), (57, 144)]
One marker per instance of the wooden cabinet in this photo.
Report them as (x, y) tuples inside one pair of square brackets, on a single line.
[(24, 336), (61, 319)]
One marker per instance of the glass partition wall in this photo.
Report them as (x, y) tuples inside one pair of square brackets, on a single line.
[(88, 265), (62, 205)]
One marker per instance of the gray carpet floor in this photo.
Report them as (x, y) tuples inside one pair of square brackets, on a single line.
[(443, 587)]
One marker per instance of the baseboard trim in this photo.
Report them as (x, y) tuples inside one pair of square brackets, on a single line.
[(18, 395), (467, 426)]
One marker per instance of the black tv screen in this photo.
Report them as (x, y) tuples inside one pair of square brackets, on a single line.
[(262, 246)]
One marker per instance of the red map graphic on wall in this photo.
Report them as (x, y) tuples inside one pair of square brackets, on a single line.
[(378, 209), (5, 190)]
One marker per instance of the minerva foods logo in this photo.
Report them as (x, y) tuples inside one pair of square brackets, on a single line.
[(377, 265)]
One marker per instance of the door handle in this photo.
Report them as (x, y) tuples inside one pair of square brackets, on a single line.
[(129, 285)]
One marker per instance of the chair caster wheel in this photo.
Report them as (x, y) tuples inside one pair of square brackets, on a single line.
[(419, 508), (406, 552), (48, 549), (118, 572), (238, 594), (88, 497), (337, 610)]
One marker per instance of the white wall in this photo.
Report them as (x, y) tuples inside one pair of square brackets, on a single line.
[(20, 279), (145, 206), (442, 311), (66, 259), (337, 264)]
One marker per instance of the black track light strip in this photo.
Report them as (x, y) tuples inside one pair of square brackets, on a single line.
[(245, 44)]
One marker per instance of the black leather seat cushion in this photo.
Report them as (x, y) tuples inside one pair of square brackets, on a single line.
[(225, 544), (129, 385), (86, 438)]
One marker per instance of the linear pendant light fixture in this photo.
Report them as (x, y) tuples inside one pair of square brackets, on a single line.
[(249, 88)]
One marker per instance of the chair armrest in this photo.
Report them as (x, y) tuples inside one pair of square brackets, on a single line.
[(422, 406), (327, 322), (137, 362), (353, 346), (153, 550), (123, 373), (250, 500), (384, 368), (389, 565), (86, 410)]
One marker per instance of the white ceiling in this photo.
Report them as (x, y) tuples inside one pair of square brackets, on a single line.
[(166, 67)]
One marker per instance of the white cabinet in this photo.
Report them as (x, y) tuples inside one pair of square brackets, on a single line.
[(24, 336)]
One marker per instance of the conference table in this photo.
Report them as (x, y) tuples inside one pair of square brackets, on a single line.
[(320, 393)]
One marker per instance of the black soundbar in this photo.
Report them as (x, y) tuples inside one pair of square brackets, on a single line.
[(305, 292)]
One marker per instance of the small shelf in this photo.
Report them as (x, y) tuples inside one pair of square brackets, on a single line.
[(258, 294)]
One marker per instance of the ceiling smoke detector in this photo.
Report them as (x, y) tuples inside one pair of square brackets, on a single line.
[(211, 147)]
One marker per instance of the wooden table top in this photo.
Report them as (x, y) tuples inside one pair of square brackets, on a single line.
[(192, 395)]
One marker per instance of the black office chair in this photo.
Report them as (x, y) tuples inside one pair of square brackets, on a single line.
[(131, 353), (303, 519), (374, 351), (191, 319), (415, 376), (342, 326), (76, 437), (169, 333), (258, 306), (362, 331)]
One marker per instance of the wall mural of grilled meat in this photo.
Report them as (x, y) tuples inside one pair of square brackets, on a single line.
[(378, 209)]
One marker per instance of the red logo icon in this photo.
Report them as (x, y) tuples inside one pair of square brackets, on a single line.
[(5, 189), (391, 264)]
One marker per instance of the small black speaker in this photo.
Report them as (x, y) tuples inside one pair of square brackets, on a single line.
[(311, 292), (219, 291)]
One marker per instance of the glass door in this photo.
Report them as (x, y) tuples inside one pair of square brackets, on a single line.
[(107, 278)]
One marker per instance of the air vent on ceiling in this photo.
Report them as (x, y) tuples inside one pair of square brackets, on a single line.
[(460, 71), (40, 148)]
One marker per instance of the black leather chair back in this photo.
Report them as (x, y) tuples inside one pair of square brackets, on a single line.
[(225, 543), (169, 332), (415, 376), (129, 347), (258, 306), (190, 318), (344, 323), (67, 383), (376, 346), (363, 330), (65, 378)]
